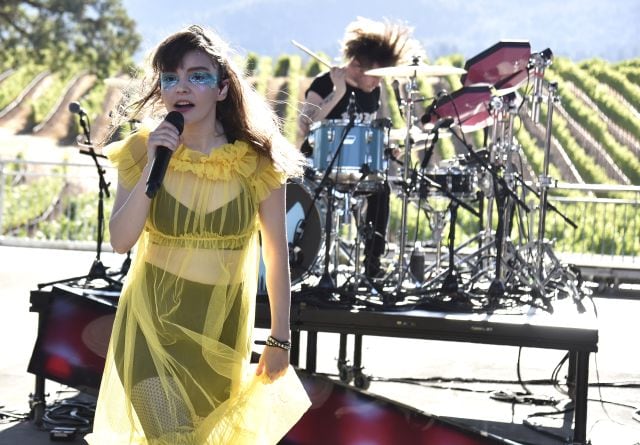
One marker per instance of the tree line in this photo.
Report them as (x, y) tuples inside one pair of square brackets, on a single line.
[(96, 34)]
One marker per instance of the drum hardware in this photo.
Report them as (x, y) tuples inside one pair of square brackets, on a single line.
[(362, 148), (500, 270), (500, 186), (504, 110), (326, 280), (409, 102), (446, 121), (504, 66), (416, 264), (450, 281), (437, 227), (538, 63), (468, 107), (411, 71), (501, 192), (544, 180), (500, 174)]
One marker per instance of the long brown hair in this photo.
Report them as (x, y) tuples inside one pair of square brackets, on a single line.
[(244, 114)]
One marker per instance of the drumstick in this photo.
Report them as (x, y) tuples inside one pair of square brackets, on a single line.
[(311, 53)]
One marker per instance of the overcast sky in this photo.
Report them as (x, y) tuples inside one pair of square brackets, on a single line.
[(579, 29)]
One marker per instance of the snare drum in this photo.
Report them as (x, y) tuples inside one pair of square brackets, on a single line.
[(305, 231), (362, 150), (460, 182)]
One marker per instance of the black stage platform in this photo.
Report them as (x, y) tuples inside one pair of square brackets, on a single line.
[(566, 329)]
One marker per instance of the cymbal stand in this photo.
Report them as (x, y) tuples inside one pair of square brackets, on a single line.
[(501, 191), (450, 283), (454, 203), (527, 274), (496, 107), (513, 270), (518, 268), (437, 227), (504, 204), (355, 209), (409, 114), (544, 179)]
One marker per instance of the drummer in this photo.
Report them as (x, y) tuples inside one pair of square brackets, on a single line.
[(367, 44)]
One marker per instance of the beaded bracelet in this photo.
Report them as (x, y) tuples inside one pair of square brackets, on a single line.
[(271, 341)]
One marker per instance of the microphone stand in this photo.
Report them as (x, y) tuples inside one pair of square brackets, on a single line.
[(97, 270)]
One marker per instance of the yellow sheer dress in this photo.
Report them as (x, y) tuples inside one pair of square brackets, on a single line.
[(177, 370)]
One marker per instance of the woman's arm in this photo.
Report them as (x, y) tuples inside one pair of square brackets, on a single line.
[(274, 361), (130, 210), (131, 207)]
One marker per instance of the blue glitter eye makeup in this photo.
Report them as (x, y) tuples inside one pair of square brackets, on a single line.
[(197, 78), (204, 78), (168, 80)]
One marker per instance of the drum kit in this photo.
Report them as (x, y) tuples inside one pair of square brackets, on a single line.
[(503, 264)]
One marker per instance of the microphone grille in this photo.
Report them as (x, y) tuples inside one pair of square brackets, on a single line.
[(177, 119), (74, 107)]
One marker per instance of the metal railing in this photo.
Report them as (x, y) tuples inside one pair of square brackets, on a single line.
[(608, 220), (52, 204), (56, 204)]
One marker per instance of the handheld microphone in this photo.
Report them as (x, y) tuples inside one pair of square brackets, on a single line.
[(163, 155)]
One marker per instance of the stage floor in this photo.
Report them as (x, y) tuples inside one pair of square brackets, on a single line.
[(387, 360)]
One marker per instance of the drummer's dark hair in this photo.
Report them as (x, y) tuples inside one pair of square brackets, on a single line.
[(383, 43)]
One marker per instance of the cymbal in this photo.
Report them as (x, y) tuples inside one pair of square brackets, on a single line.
[(415, 69)]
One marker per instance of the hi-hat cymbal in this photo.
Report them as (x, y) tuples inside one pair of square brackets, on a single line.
[(415, 69)]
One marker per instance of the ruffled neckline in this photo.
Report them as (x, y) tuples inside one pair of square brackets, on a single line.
[(237, 157)]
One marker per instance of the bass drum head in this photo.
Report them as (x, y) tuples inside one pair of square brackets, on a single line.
[(305, 231)]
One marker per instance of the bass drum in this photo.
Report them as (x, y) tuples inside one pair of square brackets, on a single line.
[(305, 231)]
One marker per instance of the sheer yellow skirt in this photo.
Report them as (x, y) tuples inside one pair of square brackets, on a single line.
[(177, 370)]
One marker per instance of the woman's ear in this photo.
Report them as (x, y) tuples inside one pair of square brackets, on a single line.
[(224, 89)]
